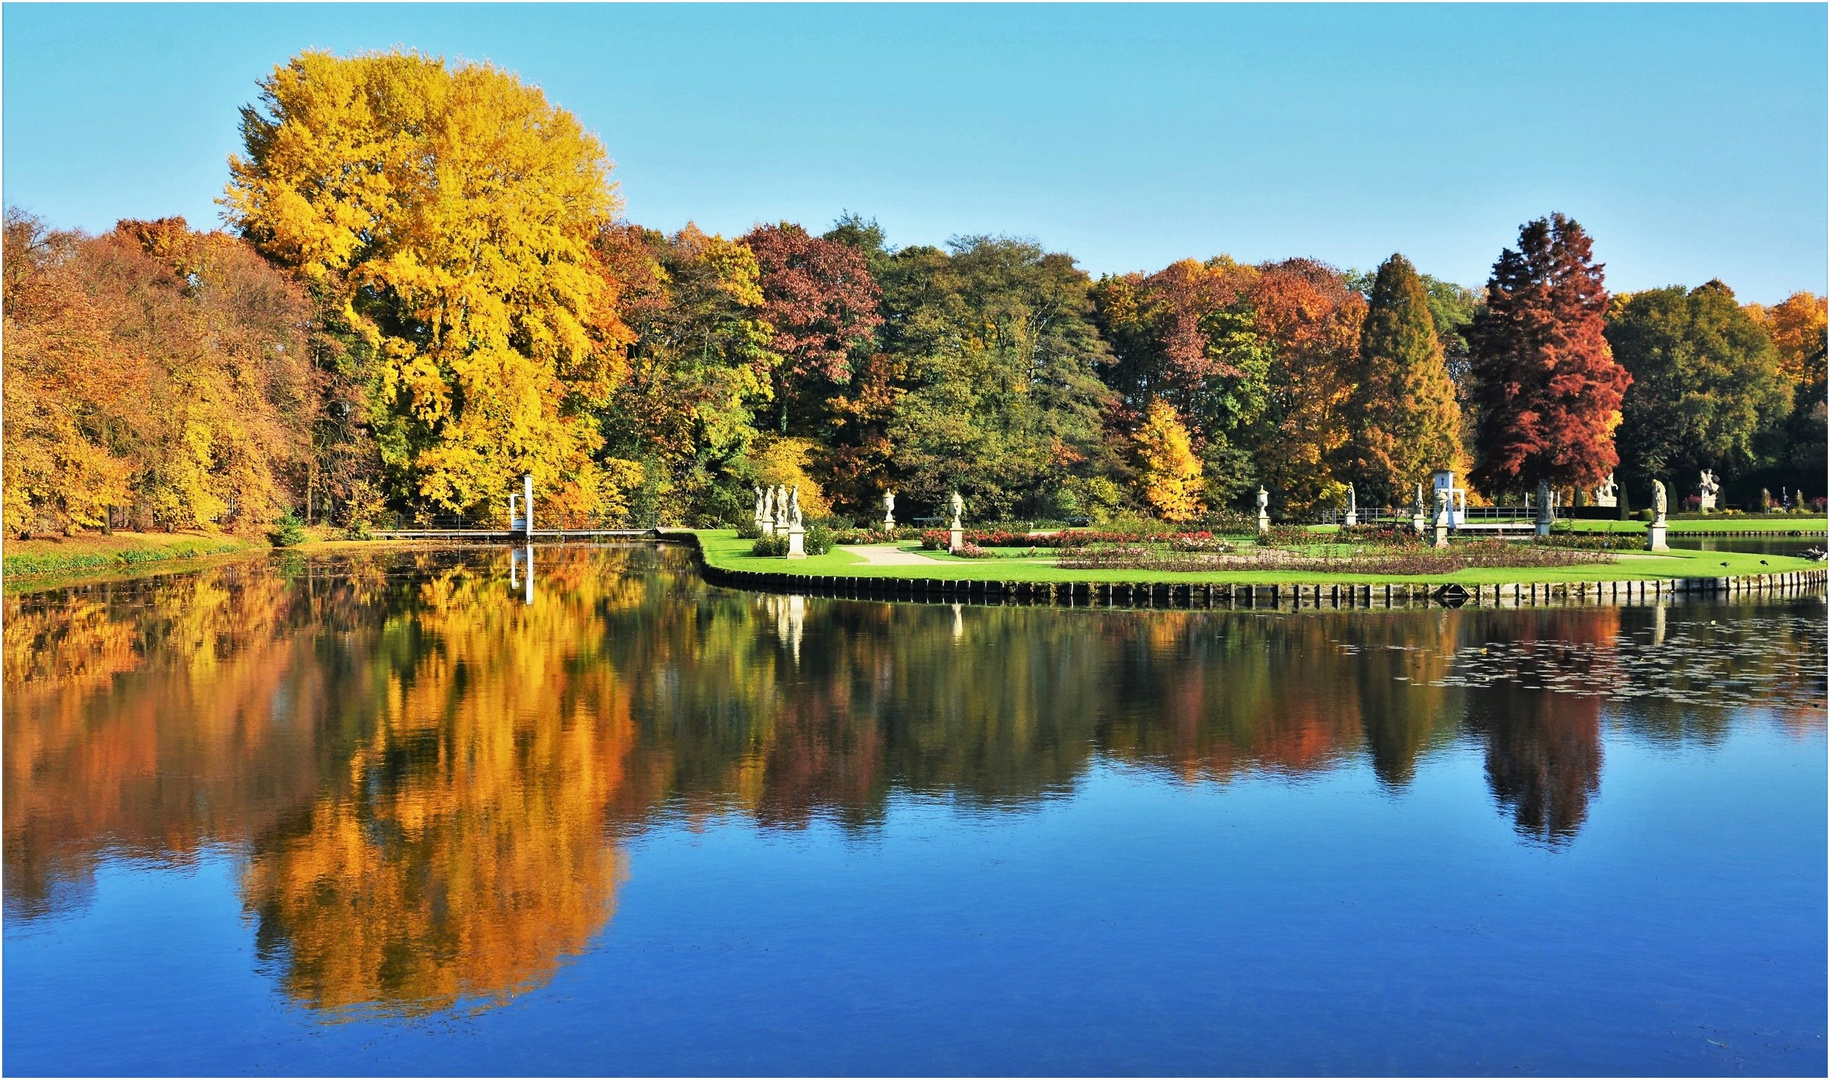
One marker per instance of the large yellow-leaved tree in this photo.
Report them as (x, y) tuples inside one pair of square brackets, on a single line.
[(444, 214)]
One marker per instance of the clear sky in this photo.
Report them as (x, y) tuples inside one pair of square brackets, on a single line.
[(1690, 140)]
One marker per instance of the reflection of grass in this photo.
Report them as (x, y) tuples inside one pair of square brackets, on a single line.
[(723, 550)]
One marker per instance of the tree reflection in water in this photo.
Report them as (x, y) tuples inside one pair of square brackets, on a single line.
[(429, 775)]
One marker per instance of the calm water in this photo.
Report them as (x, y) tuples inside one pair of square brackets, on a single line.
[(379, 815), (1760, 545)]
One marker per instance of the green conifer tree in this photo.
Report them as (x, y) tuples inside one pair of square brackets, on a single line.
[(1405, 421)]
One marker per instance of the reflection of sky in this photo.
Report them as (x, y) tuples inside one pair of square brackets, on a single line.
[(1138, 924)]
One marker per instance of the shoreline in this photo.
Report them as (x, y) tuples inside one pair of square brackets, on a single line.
[(973, 581)]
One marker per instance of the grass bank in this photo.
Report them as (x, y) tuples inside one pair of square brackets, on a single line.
[(723, 549), (95, 553)]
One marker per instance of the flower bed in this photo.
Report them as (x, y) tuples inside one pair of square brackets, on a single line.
[(1418, 561)]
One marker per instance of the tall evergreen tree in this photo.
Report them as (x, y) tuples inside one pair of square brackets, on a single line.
[(1545, 382), (1405, 419)]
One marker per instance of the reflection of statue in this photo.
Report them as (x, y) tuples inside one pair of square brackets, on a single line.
[(889, 510), (1658, 499), (794, 507), (958, 506)]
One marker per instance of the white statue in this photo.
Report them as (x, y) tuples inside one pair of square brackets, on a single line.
[(958, 506), (1658, 499), (1442, 506), (1417, 504), (794, 508), (889, 510), (761, 498), (765, 510), (1707, 490), (1351, 506), (781, 508), (1264, 499), (1607, 492)]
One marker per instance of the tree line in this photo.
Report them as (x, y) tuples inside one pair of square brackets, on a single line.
[(427, 289)]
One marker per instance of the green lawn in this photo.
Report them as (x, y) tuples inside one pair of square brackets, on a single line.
[(723, 549), (1773, 523)]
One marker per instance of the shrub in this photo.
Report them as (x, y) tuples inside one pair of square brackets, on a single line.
[(1643, 515), (358, 530), (935, 540), (970, 550), (1284, 536), (288, 531), (748, 529), (1380, 535), (1607, 541), (873, 536), (817, 541), (767, 546)]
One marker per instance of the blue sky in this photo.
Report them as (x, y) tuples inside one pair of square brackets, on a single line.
[(1690, 140)]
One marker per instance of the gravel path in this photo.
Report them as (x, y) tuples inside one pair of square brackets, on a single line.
[(888, 555)]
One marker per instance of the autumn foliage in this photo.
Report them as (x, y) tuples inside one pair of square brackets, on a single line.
[(433, 291), (1548, 389)]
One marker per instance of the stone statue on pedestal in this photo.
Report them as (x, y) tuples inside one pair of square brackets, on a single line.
[(1655, 533), (889, 511), (1607, 492), (1264, 510), (1707, 490), (765, 509)]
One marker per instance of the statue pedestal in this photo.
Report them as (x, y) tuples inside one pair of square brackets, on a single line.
[(1655, 537), (1706, 503), (1442, 534), (956, 539), (889, 524), (795, 548), (1541, 527), (767, 527), (1418, 523), (1353, 517), (1264, 523)]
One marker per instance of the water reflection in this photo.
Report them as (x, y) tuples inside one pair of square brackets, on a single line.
[(430, 773)]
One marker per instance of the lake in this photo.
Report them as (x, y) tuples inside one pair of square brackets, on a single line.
[(377, 813)]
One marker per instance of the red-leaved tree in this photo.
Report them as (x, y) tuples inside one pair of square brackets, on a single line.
[(1546, 386), (820, 297)]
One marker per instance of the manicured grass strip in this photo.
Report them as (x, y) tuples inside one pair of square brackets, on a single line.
[(722, 549), (1764, 523)]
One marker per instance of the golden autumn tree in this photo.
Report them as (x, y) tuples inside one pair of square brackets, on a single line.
[(1796, 325), (1312, 320), (153, 369), (446, 214), (1169, 474)]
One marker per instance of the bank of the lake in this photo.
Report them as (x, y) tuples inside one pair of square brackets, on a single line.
[(723, 550), (94, 554)]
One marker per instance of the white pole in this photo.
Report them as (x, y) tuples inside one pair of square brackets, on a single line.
[(527, 502)]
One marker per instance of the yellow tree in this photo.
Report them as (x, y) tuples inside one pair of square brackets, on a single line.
[(1796, 325), (1169, 474), (446, 214)]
